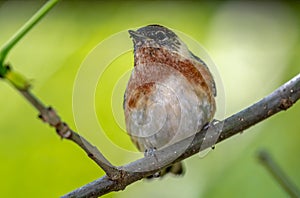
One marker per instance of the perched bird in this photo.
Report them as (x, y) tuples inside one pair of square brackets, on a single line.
[(170, 94)]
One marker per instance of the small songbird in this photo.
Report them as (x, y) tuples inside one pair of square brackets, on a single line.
[(170, 94)]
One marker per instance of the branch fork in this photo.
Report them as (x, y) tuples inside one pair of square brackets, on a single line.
[(117, 178), (281, 99)]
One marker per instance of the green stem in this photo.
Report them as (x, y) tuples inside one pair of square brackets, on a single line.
[(4, 50)]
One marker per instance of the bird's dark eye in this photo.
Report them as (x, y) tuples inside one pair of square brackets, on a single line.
[(161, 36)]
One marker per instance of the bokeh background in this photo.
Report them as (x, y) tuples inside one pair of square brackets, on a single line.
[(254, 45)]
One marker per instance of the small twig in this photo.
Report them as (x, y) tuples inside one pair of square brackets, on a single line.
[(267, 161), (48, 115), (281, 99)]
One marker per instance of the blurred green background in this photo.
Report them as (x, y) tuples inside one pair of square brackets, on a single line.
[(255, 47)]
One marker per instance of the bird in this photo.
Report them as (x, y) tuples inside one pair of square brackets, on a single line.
[(170, 94)]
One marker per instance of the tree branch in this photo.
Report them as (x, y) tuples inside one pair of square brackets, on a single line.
[(48, 115), (267, 161), (117, 178), (281, 99)]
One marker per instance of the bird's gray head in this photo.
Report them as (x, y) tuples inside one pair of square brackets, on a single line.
[(156, 36)]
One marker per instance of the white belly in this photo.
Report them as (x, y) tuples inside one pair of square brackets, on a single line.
[(174, 111)]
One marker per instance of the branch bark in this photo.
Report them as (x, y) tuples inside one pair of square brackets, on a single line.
[(281, 99), (49, 115)]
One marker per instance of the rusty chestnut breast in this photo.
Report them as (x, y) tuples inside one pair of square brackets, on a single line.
[(170, 94)]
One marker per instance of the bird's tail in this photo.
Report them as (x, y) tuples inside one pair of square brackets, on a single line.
[(176, 169)]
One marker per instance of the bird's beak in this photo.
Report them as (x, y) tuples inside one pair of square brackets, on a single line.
[(136, 36)]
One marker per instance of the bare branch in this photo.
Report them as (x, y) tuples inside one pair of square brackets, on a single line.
[(266, 160), (281, 99), (49, 116)]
